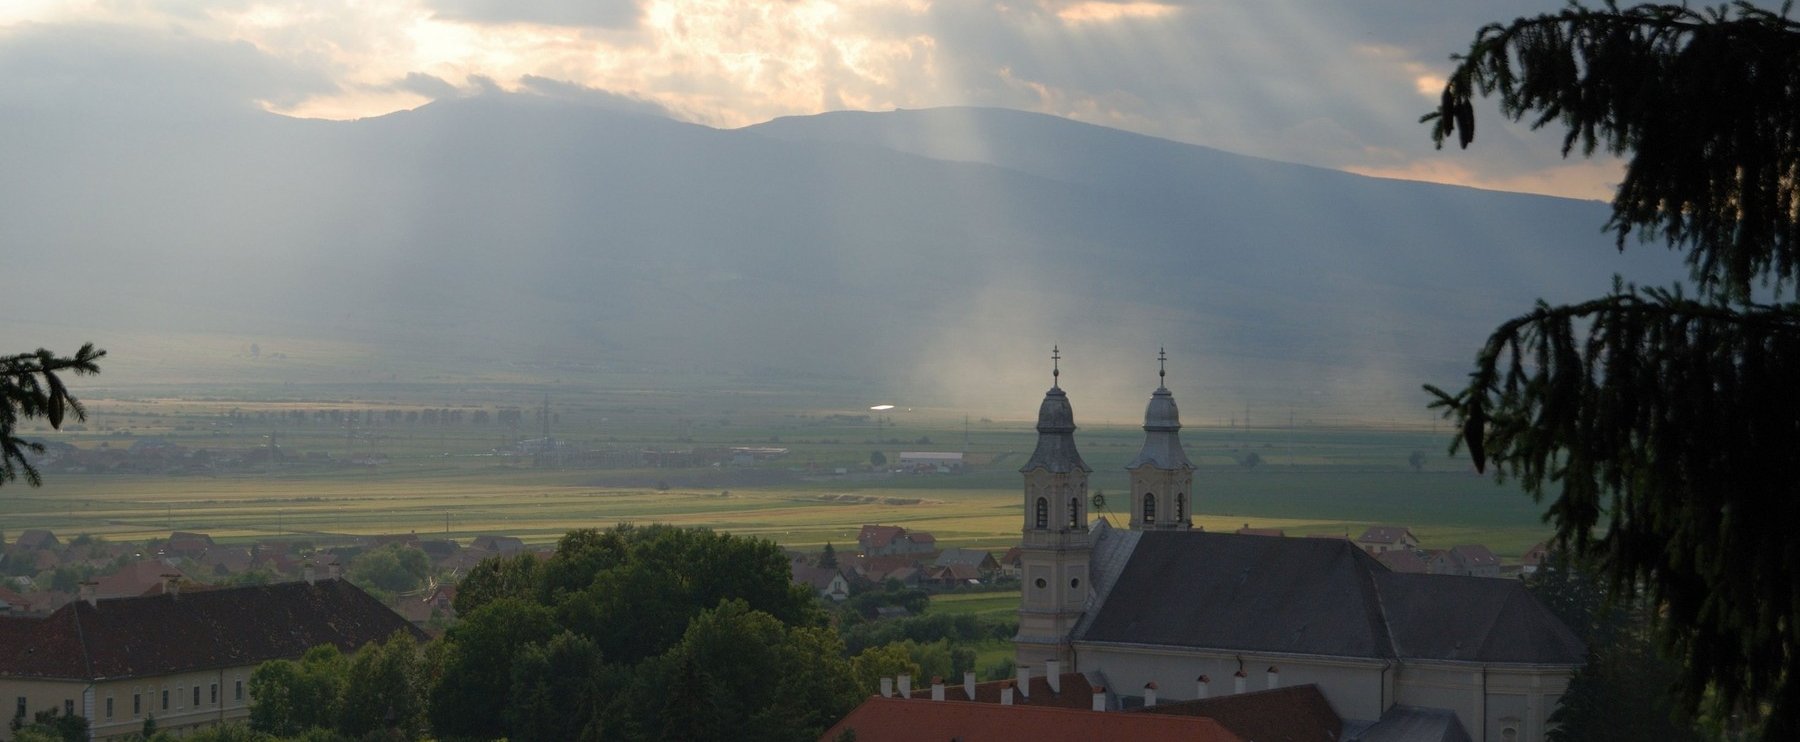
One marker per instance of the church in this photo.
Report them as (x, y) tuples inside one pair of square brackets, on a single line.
[(1158, 604)]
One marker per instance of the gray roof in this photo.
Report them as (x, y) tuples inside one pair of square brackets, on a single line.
[(1309, 596), (1056, 437), (1409, 724), (965, 557), (1110, 549), (1162, 435), (1473, 619), (1225, 591)]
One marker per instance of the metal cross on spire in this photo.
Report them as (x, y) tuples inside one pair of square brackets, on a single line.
[(1055, 365), (1161, 371)]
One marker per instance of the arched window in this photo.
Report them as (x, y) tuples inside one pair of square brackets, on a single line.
[(1180, 506), (1043, 513), (1074, 512), (1149, 508)]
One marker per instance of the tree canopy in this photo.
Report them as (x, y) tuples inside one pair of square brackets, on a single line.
[(30, 387), (1664, 428)]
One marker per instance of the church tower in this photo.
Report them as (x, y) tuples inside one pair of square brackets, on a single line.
[(1054, 552), (1162, 478)]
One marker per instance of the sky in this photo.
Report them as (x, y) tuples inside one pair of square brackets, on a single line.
[(1337, 85)]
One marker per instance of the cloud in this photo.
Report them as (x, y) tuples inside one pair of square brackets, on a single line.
[(1106, 12), (594, 13), (1594, 179), (565, 90), (1336, 85), (124, 68), (429, 86)]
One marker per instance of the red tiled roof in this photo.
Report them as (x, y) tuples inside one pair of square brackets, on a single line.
[(32, 539), (878, 537), (1536, 554), (132, 579), (1295, 714), (881, 719), (185, 546), (164, 634), (1077, 692), (880, 565)]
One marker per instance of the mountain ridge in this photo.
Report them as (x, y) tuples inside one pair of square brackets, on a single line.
[(839, 244)]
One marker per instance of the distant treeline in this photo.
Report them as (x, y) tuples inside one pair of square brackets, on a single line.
[(511, 417)]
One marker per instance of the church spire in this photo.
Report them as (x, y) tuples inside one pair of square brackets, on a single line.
[(1161, 475), (1055, 450), (1054, 546)]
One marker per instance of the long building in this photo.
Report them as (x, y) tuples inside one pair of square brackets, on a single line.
[(184, 658)]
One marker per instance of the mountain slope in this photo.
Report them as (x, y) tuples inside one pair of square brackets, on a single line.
[(933, 252)]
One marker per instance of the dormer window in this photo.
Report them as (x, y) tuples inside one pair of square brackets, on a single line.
[(1149, 508), (1043, 513)]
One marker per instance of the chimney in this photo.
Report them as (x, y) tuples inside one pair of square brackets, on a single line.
[(1053, 674), (88, 588), (887, 687), (171, 583), (334, 570), (969, 684), (1202, 687), (1150, 694), (1006, 693), (1025, 681), (1237, 683), (1099, 698), (937, 687), (307, 573), (906, 686), (1274, 677)]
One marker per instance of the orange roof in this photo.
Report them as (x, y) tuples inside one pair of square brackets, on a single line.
[(1293, 714), (881, 719), (878, 537)]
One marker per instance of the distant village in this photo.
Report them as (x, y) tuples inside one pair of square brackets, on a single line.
[(41, 572), (167, 632)]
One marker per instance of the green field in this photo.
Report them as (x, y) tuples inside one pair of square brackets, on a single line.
[(449, 479), (1002, 604)]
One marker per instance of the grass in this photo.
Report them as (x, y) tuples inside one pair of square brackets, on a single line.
[(1000, 604), (447, 480)]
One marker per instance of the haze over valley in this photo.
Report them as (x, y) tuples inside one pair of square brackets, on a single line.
[(929, 256)]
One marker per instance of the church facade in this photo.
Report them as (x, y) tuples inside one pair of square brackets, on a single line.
[(1206, 614)]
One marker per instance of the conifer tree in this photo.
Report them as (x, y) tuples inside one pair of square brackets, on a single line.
[(30, 387), (1664, 427)]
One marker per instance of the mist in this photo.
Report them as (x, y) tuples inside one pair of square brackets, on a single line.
[(932, 255)]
